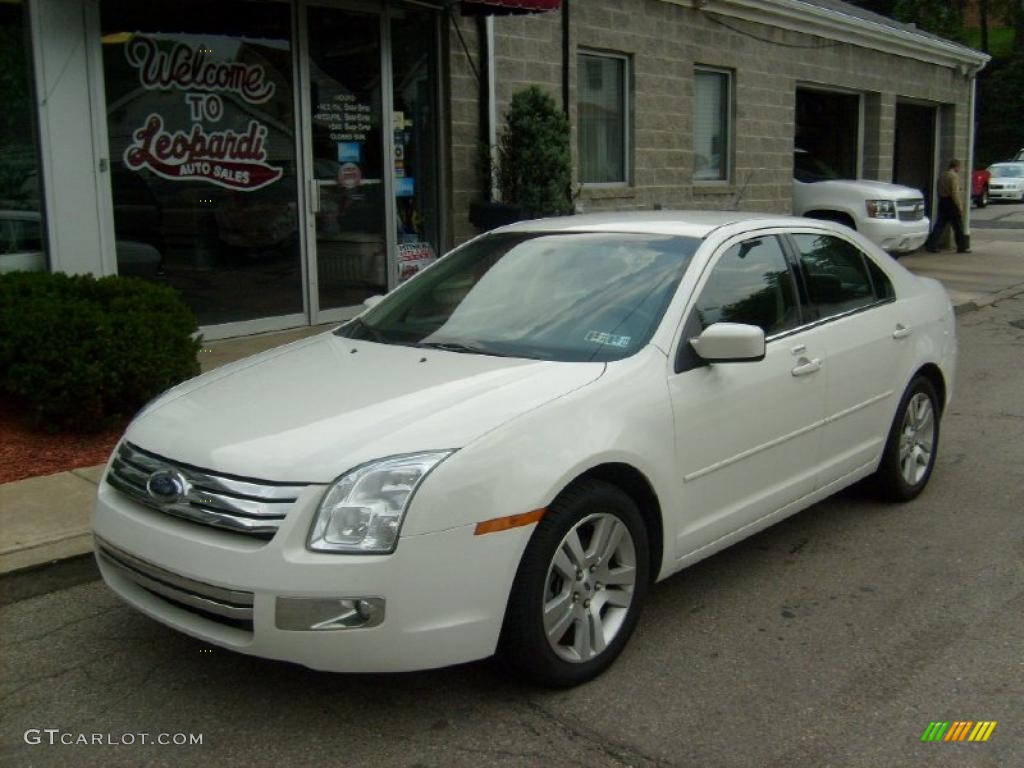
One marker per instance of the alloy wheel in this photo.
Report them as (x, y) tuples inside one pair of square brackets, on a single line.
[(589, 587), (917, 439)]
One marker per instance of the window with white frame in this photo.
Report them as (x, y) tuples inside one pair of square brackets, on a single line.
[(603, 118), (712, 124)]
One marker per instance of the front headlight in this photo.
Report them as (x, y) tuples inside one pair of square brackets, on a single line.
[(364, 509), (881, 209)]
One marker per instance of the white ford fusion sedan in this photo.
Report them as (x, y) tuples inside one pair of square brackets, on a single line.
[(504, 453)]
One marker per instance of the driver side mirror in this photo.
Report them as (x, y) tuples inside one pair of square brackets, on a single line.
[(730, 343)]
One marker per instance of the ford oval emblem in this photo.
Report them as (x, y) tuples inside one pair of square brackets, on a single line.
[(166, 486)]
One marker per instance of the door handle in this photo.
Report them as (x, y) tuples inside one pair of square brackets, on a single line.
[(314, 196), (807, 366), (902, 331)]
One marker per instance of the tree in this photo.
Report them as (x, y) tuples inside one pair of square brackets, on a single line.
[(936, 16), (534, 159)]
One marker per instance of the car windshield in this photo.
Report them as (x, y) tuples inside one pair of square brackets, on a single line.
[(551, 296), (1009, 171), (808, 168)]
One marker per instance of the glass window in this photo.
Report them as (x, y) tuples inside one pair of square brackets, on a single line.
[(834, 271), (711, 124), (22, 245), (201, 119), (751, 283), (565, 296), (880, 281), (603, 115)]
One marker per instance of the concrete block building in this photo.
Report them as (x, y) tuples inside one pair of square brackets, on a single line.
[(279, 161)]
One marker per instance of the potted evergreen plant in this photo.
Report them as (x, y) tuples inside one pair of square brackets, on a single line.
[(534, 169)]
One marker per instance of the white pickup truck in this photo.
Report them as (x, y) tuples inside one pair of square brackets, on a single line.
[(890, 215)]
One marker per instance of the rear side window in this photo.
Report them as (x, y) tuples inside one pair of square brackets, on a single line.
[(751, 283), (835, 273)]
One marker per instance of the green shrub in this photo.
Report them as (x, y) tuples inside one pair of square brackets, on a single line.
[(81, 351), (534, 161)]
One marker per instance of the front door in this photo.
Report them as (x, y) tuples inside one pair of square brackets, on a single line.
[(748, 434), (371, 154)]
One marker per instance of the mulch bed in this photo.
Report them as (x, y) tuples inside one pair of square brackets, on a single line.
[(28, 452)]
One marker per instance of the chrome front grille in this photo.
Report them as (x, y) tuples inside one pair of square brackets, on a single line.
[(228, 606), (910, 210), (245, 506)]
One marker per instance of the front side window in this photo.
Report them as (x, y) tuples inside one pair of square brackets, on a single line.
[(562, 296), (603, 114), (835, 274), (711, 124), (751, 284)]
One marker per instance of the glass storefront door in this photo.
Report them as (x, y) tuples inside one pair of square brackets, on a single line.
[(201, 121), (373, 153), (275, 162)]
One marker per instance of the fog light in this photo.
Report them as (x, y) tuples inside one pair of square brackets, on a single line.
[(316, 614)]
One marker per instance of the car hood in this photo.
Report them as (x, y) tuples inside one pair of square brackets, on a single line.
[(870, 189), (311, 410)]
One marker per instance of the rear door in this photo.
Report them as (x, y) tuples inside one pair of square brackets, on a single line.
[(853, 303)]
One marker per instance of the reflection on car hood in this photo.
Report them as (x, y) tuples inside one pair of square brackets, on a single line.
[(311, 410)]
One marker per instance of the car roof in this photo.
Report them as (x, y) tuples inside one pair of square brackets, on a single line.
[(681, 223)]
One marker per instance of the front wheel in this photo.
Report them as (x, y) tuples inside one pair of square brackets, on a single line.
[(983, 198), (580, 585), (912, 445)]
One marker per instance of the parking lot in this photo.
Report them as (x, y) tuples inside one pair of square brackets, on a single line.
[(832, 639)]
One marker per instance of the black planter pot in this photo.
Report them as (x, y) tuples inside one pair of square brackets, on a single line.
[(490, 215)]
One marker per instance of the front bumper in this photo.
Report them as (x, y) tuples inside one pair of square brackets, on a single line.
[(444, 592), (894, 235), (1005, 194)]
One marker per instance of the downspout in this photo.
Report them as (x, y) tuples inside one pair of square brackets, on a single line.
[(492, 107), (565, 57), (970, 156)]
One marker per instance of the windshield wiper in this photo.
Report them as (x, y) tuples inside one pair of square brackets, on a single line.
[(458, 346), (372, 334)]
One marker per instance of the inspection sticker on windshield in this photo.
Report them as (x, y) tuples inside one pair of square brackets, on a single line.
[(608, 339)]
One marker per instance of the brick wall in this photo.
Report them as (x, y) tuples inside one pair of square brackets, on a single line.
[(664, 42)]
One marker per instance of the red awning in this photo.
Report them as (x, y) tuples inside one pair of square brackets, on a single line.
[(504, 7)]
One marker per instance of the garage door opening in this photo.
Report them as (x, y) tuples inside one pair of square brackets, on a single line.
[(828, 127), (914, 150)]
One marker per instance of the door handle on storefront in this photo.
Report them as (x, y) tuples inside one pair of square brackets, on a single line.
[(314, 196), (807, 366)]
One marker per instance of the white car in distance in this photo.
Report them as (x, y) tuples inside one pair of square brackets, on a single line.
[(1007, 182), (503, 454)]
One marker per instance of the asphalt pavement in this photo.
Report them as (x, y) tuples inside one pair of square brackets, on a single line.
[(833, 639)]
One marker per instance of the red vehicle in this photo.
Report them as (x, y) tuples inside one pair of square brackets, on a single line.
[(979, 188)]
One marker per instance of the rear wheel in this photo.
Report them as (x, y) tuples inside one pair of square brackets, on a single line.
[(580, 585), (912, 444)]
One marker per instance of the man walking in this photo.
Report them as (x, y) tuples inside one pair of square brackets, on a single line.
[(951, 210)]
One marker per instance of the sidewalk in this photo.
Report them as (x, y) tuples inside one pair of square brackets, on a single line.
[(43, 519)]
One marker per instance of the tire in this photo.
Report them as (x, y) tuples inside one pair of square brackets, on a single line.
[(570, 651), (912, 445), (983, 197)]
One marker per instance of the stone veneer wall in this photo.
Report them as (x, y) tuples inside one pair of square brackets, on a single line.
[(664, 42)]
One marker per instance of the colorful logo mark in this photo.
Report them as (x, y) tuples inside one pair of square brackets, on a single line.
[(959, 730)]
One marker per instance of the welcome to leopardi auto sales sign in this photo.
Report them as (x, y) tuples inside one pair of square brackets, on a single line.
[(226, 158)]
